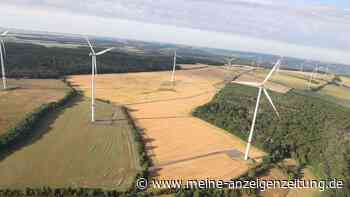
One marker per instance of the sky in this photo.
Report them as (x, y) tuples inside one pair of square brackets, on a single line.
[(309, 29)]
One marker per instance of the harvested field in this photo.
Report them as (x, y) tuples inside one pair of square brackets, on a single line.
[(29, 95), (284, 80), (181, 146), (68, 151), (259, 76)]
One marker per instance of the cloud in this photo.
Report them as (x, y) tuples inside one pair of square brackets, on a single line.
[(296, 22), (284, 20)]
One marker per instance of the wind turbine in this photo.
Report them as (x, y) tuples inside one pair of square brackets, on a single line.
[(174, 68), (261, 87), (93, 73), (279, 65), (2, 58), (229, 61), (315, 70), (302, 67)]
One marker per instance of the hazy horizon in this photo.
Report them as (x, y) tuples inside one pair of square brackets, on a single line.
[(305, 29)]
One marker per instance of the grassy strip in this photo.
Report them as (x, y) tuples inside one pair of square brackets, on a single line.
[(145, 161)]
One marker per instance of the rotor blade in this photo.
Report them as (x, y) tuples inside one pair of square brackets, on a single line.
[(105, 51), (5, 33), (3, 46), (272, 70), (270, 100), (90, 45), (254, 84)]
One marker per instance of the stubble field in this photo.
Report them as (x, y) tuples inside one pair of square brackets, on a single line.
[(66, 150)]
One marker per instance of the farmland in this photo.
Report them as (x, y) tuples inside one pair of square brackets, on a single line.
[(181, 146), (66, 150), (29, 95), (321, 86)]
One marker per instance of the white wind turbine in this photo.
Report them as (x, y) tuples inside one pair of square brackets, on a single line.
[(312, 76), (261, 87), (229, 61), (93, 73), (302, 67), (2, 58), (174, 68), (278, 67)]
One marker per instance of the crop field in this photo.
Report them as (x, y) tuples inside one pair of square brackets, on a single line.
[(29, 95), (346, 80), (180, 145), (67, 150), (284, 80)]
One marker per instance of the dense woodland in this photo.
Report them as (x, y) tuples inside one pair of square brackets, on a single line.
[(38, 61), (312, 131)]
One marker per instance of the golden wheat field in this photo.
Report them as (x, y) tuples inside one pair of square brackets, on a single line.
[(181, 146)]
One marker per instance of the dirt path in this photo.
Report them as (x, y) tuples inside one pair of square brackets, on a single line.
[(181, 146)]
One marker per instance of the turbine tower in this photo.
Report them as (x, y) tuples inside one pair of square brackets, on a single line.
[(174, 68), (315, 70), (93, 73), (302, 67), (261, 88), (279, 65), (229, 61), (2, 58)]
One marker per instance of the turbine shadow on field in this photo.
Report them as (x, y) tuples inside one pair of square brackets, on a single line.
[(162, 117), (42, 127), (195, 68), (170, 99), (232, 153)]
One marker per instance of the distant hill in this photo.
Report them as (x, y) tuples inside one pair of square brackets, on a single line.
[(210, 55), (38, 61)]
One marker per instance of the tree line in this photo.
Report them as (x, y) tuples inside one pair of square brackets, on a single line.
[(38, 61)]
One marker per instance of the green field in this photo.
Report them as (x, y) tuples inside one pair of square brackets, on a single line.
[(68, 150), (29, 95)]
